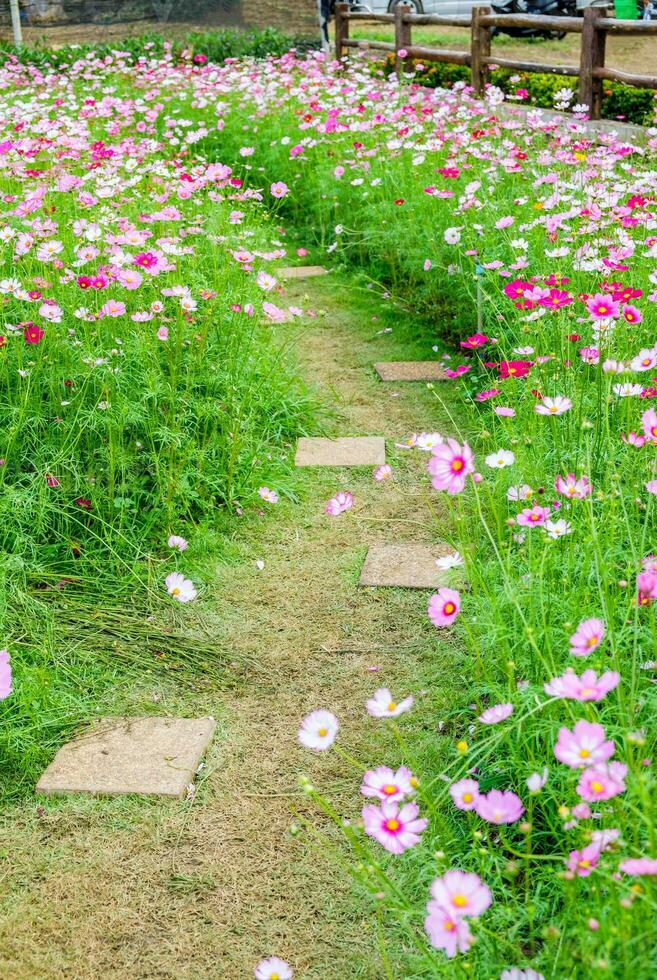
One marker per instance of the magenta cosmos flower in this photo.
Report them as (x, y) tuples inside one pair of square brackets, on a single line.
[(465, 794), (273, 968), (587, 637), (447, 931), (602, 306), (383, 705), (462, 893), (384, 784), (498, 712), (588, 687), (395, 828), (500, 807), (585, 745), (444, 607), (598, 783), (318, 730), (639, 866), (5, 675), (342, 502), (450, 465)]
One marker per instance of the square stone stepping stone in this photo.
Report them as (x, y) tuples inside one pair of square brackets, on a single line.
[(409, 566), (410, 371), (303, 271), (358, 451), (130, 755)]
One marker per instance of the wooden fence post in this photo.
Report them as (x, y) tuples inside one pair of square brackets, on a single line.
[(402, 36), (592, 55), (341, 29), (480, 35)]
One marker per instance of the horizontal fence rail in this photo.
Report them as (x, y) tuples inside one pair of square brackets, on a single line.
[(593, 28)]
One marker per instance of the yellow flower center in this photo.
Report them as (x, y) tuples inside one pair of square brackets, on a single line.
[(392, 825), (449, 925), (389, 789), (413, 781), (175, 591), (449, 608), (467, 797), (392, 705), (596, 786), (586, 692), (457, 465), (584, 864), (460, 901), (592, 640), (584, 753), (322, 732)]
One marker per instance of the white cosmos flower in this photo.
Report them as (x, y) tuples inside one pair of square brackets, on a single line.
[(427, 440), (180, 588), (627, 390), (537, 781), (383, 705), (557, 529), (500, 459), (521, 492), (449, 561), (553, 406), (318, 730)]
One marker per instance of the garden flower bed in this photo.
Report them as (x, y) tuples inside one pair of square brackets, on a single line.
[(514, 837)]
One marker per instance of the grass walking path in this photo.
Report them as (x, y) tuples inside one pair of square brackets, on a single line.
[(133, 887)]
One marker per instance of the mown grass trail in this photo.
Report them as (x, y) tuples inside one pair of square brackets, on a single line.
[(135, 888)]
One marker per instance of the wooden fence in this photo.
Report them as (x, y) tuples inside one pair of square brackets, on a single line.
[(593, 27)]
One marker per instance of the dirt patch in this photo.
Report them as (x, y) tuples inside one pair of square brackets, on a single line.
[(136, 888)]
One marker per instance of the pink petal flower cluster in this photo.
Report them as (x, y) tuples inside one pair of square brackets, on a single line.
[(455, 897), (450, 465), (395, 827)]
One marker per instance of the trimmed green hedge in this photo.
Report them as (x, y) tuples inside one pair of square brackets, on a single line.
[(620, 101), (212, 45)]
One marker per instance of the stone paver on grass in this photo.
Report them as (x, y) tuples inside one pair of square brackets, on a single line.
[(303, 271), (410, 371), (130, 755), (406, 565), (357, 451)]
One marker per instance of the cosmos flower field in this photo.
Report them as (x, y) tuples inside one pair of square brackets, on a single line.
[(515, 837)]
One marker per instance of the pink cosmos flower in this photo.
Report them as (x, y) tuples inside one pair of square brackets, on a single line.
[(444, 607), (649, 424), (651, 487), (5, 675), (318, 730), (462, 893), (573, 487), (602, 782), (588, 687), (515, 973), (395, 828), (162, 333), (639, 866), (449, 466), (465, 794), (382, 705), (498, 712), (499, 807), (279, 189), (273, 968), (384, 784), (585, 745), (533, 516), (382, 473), (504, 412), (343, 501), (587, 637), (175, 541), (270, 496), (583, 862), (113, 308), (553, 406), (447, 931), (646, 584)]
